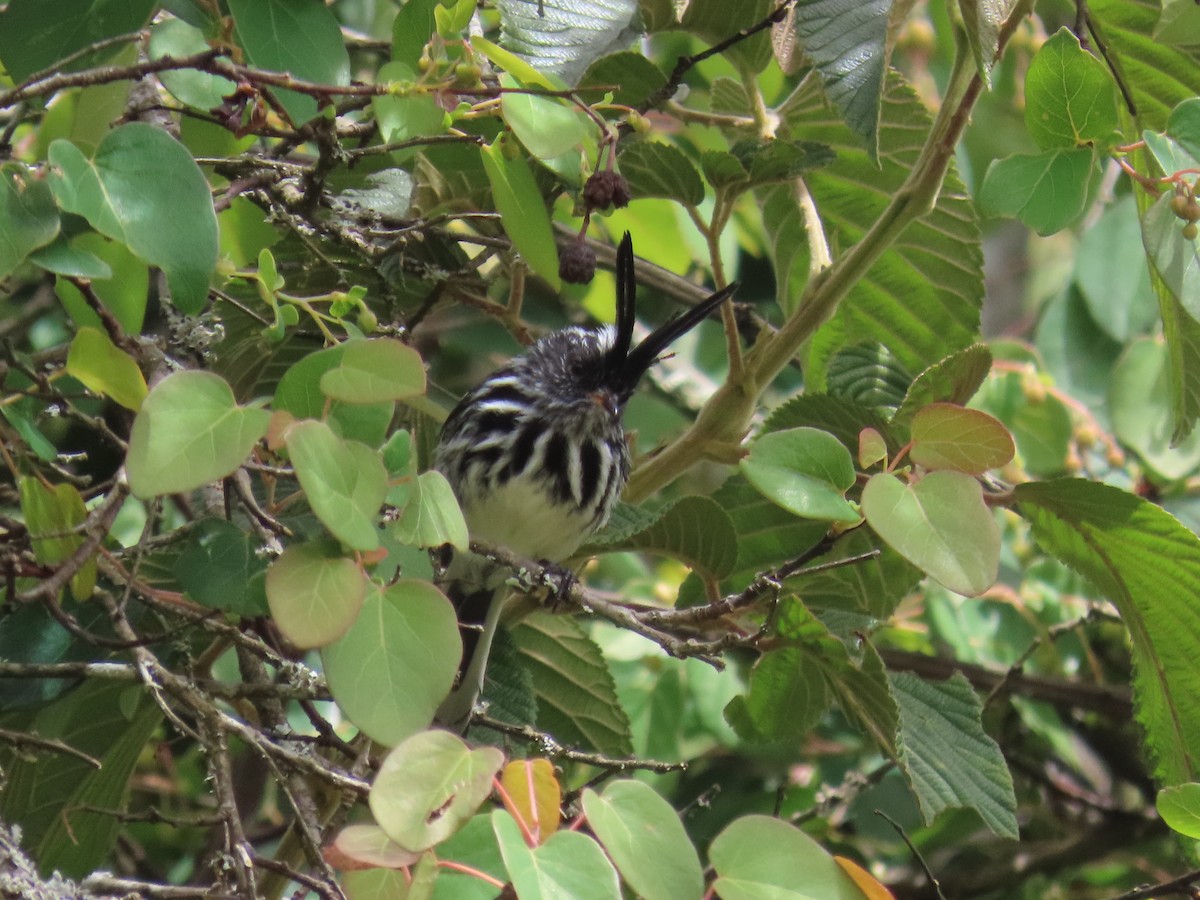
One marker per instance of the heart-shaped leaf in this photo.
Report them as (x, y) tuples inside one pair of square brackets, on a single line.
[(189, 432), (345, 481), (940, 524), (314, 593), (429, 786), (144, 189), (374, 371), (397, 662), (570, 864), (805, 470), (759, 856), (946, 436), (643, 835)]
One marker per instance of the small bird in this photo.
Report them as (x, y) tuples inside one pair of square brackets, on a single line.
[(537, 457)]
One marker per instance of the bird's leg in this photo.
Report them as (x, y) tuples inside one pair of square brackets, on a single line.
[(558, 581)]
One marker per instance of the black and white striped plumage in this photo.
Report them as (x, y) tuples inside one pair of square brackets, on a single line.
[(536, 455)]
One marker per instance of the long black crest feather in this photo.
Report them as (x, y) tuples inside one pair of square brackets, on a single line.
[(642, 357), (626, 305), (626, 366)]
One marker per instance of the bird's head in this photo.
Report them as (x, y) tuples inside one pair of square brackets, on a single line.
[(581, 367)]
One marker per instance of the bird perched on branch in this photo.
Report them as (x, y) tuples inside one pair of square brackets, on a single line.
[(536, 455)]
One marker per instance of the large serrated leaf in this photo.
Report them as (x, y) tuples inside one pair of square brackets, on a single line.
[(47, 793), (1160, 77), (661, 170), (954, 379), (841, 417), (847, 42), (563, 37), (694, 530), (947, 757), (1148, 565), (577, 699), (869, 374), (922, 296), (873, 586), (788, 695)]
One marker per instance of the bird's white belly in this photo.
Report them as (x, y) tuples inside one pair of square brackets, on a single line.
[(519, 515)]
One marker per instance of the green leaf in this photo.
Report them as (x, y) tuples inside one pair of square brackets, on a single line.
[(144, 189), (1183, 125), (28, 218), (788, 680), (759, 857), (630, 77), (1111, 272), (716, 20), (948, 759), (299, 393), (940, 524), (411, 30), (1179, 23), (47, 794), (754, 163), (432, 516), (199, 90), (767, 536), (522, 210), (661, 170), (66, 257), (344, 481), (53, 515), (1179, 807), (547, 126), (429, 786), (299, 37), (406, 117), (1158, 75), (874, 586), (694, 530), (868, 374), (563, 37), (31, 40), (945, 436), (219, 568), (804, 470), (397, 662), (1148, 566), (1047, 192), (375, 371), (123, 289), (314, 593), (105, 368), (921, 298), (1070, 97), (954, 379), (982, 20), (1139, 403), (841, 417), (189, 432), (1174, 258), (847, 41), (643, 835), (569, 864), (577, 700)]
